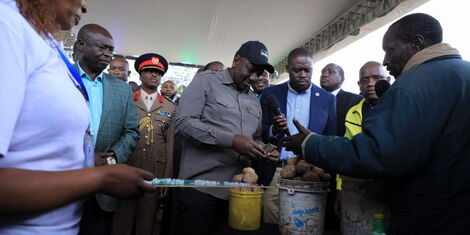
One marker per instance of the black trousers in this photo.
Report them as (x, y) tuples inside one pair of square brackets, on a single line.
[(198, 213), (332, 221), (95, 221)]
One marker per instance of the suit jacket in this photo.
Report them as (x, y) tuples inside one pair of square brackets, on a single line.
[(118, 131), (344, 101), (322, 120)]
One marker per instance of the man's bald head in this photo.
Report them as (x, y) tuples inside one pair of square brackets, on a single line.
[(370, 73), (370, 64), (86, 30), (95, 46)]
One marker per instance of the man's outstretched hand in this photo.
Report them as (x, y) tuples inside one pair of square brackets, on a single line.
[(248, 147), (293, 143)]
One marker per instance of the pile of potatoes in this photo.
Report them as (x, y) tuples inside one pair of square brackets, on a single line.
[(249, 176), (301, 170)]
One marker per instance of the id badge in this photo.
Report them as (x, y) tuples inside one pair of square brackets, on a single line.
[(89, 149)]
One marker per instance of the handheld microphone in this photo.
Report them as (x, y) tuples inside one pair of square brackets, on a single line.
[(273, 106), (381, 87)]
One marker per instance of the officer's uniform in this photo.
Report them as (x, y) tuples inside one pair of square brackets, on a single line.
[(154, 153)]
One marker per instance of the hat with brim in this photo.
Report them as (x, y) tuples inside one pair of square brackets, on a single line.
[(257, 53), (151, 61)]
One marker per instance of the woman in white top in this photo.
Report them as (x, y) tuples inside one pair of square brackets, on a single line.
[(43, 123)]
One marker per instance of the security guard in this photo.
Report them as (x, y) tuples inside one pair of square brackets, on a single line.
[(154, 151)]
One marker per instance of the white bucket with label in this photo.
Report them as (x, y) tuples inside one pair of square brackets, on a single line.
[(302, 207)]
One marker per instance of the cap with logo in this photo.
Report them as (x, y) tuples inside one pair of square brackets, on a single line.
[(257, 53), (151, 61)]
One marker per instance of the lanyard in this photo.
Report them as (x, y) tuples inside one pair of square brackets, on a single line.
[(74, 74)]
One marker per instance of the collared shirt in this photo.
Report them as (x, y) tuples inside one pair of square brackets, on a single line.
[(95, 94), (298, 106), (335, 92), (148, 99), (210, 113), (43, 119)]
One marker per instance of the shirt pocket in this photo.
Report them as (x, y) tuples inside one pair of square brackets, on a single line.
[(253, 119), (225, 102), (161, 124), (254, 112)]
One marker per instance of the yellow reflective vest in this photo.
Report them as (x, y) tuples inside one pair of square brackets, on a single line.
[(353, 124)]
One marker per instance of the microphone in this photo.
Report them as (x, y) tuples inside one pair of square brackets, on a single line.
[(381, 87), (273, 106)]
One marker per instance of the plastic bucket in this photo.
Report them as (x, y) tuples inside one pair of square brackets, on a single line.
[(360, 200), (302, 207), (244, 211)]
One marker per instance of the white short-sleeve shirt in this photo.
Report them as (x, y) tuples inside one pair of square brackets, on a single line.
[(43, 118)]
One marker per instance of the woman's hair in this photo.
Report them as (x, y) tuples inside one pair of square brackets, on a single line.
[(39, 14)]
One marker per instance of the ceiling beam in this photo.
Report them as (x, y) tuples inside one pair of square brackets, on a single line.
[(347, 24)]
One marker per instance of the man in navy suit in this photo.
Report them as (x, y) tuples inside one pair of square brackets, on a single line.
[(331, 79), (299, 98)]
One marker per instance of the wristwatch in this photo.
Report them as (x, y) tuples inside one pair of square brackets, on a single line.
[(111, 160)]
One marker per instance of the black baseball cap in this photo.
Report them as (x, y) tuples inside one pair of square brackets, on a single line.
[(257, 53)]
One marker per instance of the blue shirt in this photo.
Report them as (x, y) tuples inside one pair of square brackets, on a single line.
[(95, 94), (298, 106)]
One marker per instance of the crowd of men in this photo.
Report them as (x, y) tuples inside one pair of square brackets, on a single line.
[(414, 136), (212, 146)]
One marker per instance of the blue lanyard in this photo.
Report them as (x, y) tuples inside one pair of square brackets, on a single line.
[(75, 75)]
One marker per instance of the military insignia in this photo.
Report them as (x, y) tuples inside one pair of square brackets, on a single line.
[(164, 113), (136, 95), (155, 60)]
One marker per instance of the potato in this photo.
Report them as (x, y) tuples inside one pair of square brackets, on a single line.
[(250, 178), (237, 189), (245, 189), (293, 161), (318, 170), (248, 170), (238, 178), (269, 147), (288, 172), (311, 176), (326, 177), (303, 167)]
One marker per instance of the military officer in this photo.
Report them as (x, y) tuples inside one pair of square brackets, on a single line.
[(154, 151)]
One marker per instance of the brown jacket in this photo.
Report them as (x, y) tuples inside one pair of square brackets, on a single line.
[(154, 153)]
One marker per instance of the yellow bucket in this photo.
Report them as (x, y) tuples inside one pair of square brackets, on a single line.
[(244, 211)]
